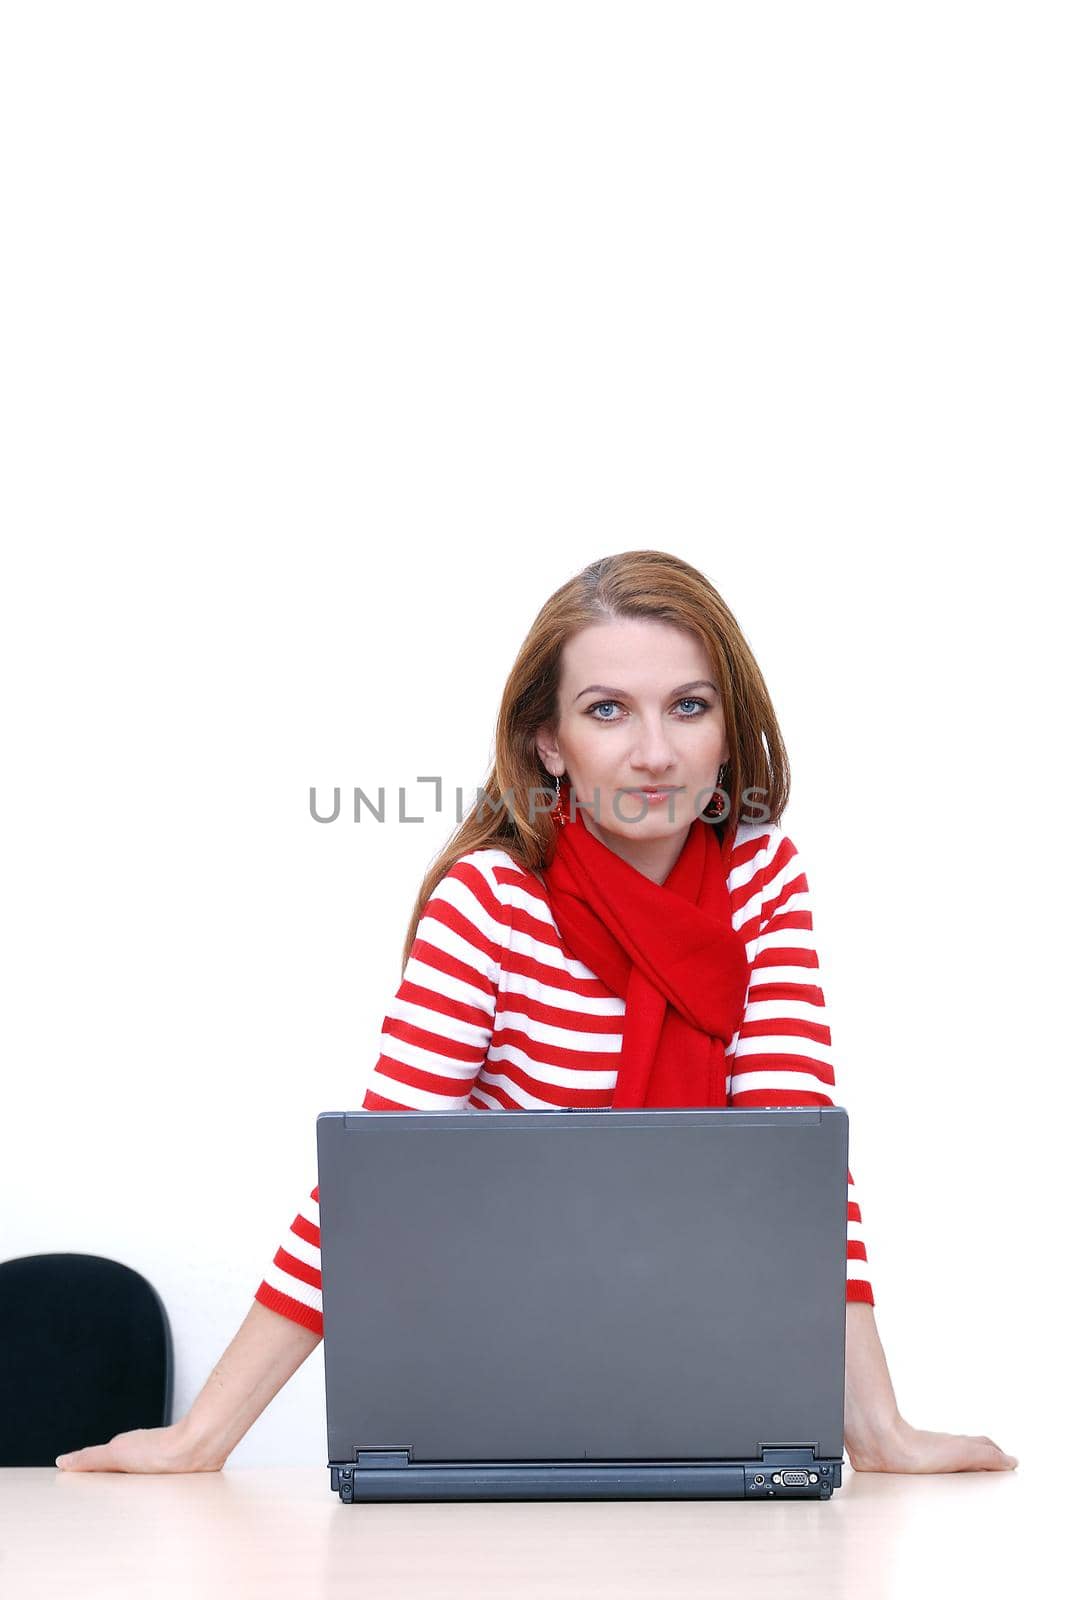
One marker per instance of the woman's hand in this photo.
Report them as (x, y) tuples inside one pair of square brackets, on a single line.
[(171, 1449), (908, 1449)]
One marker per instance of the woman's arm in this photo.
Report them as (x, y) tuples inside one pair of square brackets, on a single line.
[(783, 1057), (265, 1352), (434, 1041)]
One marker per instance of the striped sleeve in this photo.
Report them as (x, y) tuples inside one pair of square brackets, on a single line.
[(782, 1055), (433, 1043)]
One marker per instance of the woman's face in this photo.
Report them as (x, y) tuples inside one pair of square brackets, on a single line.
[(639, 707)]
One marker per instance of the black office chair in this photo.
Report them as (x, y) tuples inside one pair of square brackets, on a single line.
[(85, 1353)]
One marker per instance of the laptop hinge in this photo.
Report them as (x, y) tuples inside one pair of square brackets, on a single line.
[(380, 1458), (787, 1455)]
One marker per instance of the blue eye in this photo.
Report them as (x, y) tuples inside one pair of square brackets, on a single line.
[(689, 716)]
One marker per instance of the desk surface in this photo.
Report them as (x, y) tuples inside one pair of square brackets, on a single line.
[(280, 1531)]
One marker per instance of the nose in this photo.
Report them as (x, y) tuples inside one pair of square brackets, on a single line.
[(652, 753)]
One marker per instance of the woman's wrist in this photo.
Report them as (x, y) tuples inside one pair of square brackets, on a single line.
[(871, 1415), (868, 1436), (199, 1443)]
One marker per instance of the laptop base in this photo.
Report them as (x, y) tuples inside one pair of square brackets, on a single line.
[(786, 1473)]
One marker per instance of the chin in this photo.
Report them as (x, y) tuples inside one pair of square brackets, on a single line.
[(656, 820)]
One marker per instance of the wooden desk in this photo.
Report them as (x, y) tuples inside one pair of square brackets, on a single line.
[(280, 1531)]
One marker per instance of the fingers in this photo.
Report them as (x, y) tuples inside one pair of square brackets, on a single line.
[(92, 1459), (1002, 1461), (1006, 1461)]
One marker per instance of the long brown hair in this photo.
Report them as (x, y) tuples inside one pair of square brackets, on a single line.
[(634, 583)]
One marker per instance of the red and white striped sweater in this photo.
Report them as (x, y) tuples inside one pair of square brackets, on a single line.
[(494, 1012)]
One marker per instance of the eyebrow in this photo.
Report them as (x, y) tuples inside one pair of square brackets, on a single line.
[(620, 694)]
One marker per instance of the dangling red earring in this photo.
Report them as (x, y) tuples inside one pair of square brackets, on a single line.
[(557, 814), (717, 804)]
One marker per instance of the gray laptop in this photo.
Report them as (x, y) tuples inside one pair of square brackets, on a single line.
[(534, 1305)]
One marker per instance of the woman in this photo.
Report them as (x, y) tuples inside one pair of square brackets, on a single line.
[(648, 941)]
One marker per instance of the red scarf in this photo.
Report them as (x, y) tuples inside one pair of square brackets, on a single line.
[(669, 950)]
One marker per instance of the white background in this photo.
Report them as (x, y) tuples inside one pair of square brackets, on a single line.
[(334, 339)]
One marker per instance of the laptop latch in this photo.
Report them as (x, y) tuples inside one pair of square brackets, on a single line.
[(788, 1455), (380, 1458)]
